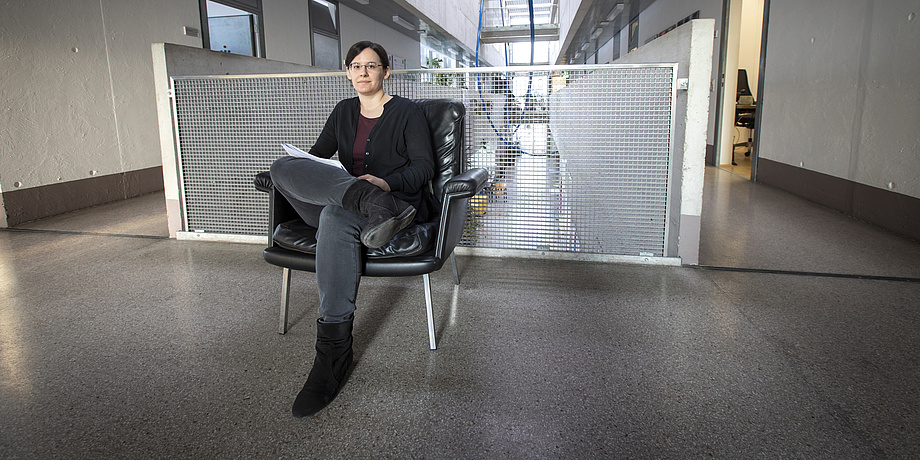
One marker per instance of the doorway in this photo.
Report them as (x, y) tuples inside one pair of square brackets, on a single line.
[(740, 67)]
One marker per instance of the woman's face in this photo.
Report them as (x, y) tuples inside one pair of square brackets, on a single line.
[(367, 82)]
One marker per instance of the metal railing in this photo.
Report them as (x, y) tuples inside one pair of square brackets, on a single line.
[(580, 156)]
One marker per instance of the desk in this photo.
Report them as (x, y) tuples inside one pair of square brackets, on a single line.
[(744, 115)]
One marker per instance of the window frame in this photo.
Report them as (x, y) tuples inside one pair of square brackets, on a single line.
[(254, 8), (338, 33)]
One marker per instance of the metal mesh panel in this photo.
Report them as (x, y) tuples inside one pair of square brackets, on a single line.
[(229, 129), (579, 156)]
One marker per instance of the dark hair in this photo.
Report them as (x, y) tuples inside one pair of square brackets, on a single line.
[(359, 47)]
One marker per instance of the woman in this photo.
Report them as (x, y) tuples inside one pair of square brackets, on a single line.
[(383, 141)]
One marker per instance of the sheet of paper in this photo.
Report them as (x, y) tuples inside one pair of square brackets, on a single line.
[(296, 152)]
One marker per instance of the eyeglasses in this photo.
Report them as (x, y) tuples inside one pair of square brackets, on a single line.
[(370, 66)]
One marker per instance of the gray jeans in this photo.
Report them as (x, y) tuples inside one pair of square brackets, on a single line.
[(315, 191)]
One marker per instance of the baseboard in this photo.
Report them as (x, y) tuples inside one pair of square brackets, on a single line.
[(892, 211), (711, 155), (50, 200)]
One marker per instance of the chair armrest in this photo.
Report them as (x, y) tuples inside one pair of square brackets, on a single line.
[(263, 182), (457, 193), (279, 210), (467, 184)]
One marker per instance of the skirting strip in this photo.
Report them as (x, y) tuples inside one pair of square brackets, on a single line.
[(50, 200), (892, 211)]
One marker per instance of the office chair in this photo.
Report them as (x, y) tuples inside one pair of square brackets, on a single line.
[(419, 249), (745, 111)]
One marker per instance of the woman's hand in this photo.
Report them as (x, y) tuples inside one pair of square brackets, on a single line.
[(376, 181)]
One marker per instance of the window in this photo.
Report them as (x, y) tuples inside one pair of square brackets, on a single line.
[(324, 31), (233, 26), (519, 53), (634, 34)]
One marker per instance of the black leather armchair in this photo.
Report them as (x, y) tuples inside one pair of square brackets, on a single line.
[(419, 249)]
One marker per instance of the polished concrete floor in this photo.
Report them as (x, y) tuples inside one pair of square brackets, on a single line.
[(797, 337)]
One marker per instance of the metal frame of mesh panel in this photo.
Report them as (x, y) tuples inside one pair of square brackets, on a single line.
[(581, 157)]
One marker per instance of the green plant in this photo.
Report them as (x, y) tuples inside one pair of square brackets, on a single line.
[(444, 79)]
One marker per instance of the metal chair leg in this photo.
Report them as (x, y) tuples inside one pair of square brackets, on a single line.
[(453, 263), (285, 298), (427, 282)]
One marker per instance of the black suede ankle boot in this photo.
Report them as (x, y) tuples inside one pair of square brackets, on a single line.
[(333, 358), (386, 215)]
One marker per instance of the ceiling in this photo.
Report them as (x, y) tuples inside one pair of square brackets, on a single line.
[(597, 27), (594, 28)]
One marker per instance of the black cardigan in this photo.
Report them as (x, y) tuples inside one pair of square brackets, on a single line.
[(398, 150)]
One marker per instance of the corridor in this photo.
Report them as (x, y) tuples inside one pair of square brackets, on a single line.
[(797, 337)]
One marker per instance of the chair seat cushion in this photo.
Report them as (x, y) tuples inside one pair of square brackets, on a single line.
[(414, 240)]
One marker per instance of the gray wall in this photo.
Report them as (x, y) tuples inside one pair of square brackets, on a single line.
[(664, 13), (77, 98), (77, 85), (842, 92), (691, 47)]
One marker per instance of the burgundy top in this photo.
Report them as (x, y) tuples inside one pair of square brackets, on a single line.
[(365, 125)]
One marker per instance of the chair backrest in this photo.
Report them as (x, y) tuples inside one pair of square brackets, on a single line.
[(445, 121), (743, 89), (744, 95)]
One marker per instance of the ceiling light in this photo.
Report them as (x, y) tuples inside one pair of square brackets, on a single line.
[(403, 22), (616, 12), (363, 2), (584, 47), (597, 33)]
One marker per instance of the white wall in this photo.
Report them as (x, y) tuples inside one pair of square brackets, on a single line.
[(460, 20), (749, 45), (842, 95), (730, 134), (605, 53), (742, 52), (357, 27), (571, 12)]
